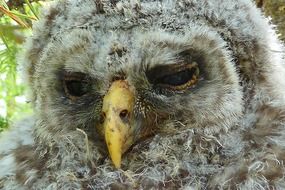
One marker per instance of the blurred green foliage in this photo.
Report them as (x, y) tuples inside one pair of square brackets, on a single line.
[(276, 10), (15, 25)]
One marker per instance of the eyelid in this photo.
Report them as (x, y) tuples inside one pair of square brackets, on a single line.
[(158, 75), (184, 86), (77, 76), (169, 69), (69, 78)]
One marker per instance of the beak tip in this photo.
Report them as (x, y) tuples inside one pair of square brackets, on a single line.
[(117, 163), (117, 166)]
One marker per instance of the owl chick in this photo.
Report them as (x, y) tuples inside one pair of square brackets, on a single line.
[(180, 94)]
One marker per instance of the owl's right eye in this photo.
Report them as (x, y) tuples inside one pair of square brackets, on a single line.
[(75, 84)]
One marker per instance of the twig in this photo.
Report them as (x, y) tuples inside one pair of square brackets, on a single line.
[(13, 16), (86, 142)]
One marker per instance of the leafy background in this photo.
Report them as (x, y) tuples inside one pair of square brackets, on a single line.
[(16, 18)]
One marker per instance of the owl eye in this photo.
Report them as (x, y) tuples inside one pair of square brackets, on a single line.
[(177, 77), (76, 84)]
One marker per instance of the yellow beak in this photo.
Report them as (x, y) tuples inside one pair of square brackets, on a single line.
[(118, 105)]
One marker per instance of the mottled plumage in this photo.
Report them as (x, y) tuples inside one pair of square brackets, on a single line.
[(224, 131)]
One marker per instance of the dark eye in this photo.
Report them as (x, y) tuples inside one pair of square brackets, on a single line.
[(177, 77), (75, 84), (76, 88)]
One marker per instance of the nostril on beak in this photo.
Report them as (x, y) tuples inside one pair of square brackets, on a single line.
[(124, 115)]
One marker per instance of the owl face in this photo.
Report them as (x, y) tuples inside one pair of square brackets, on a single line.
[(159, 76), (121, 85)]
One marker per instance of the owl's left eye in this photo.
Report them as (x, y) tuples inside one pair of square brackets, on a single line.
[(75, 84), (175, 77)]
